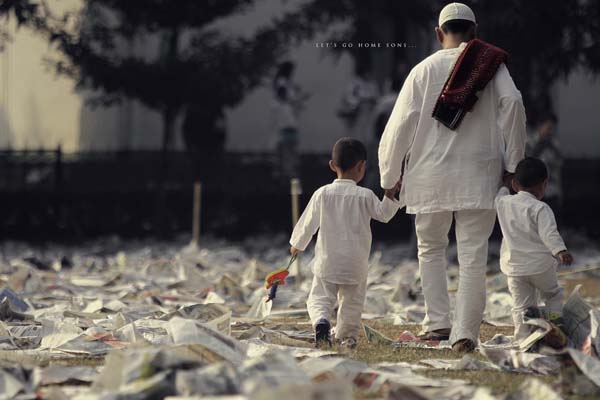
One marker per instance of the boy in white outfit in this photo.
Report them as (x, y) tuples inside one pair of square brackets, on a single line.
[(531, 244), (342, 212)]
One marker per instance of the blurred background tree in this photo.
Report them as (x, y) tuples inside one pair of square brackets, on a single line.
[(202, 71), (546, 40), (383, 21), (196, 68), (24, 12)]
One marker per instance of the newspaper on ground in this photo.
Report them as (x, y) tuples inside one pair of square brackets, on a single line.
[(576, 314), (467, 362), (589, 366), (145, 319), (409, 339), (374, 336), (519, 361), (330, 390), (591, 346), (534, 389)]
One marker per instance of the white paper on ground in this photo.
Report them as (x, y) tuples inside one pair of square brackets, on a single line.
[(589, 366), (534, 389), (57, 333), (260, 309), (257, 347), (518, 361), (10, 386), (341, 368), (185, 331), (576, 316)]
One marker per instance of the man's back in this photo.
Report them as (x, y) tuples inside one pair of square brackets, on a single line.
[(455, 170)]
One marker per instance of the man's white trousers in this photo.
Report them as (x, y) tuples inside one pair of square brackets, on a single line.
[(473, 229)]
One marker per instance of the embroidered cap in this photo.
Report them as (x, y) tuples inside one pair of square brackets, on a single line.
[(456, 11)]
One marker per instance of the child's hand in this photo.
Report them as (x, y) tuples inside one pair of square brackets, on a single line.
[(565, 257), (294, 251), (392, 192)]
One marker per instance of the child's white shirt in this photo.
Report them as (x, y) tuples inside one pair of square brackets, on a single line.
[(530, 236), (342, 212)]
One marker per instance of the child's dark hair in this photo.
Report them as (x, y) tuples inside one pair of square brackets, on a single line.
[(530, 172), (347, 152)]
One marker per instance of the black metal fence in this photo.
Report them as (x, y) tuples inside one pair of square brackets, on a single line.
[(55, 195)]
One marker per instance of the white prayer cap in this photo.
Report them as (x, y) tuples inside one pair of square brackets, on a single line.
[(456, 11)]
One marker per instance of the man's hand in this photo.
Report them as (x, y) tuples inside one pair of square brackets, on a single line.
[(390, 193), (393, 191), (565, 257), (507, 180), (294, 251)]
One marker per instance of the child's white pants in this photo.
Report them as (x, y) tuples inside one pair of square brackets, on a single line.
[(473, 229), (524, 294), (350, 298)]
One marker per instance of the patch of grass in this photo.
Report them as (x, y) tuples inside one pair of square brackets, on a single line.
[(498, 381)]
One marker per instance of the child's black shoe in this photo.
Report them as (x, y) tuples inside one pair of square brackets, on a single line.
[(322, 333), (532, 312)]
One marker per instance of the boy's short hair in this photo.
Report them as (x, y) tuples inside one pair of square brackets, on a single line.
[(347, 152), (530, 172)]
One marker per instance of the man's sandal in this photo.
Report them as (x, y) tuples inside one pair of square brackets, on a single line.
[(437, 334)]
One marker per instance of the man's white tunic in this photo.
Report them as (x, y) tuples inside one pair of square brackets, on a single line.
[(451, 170)]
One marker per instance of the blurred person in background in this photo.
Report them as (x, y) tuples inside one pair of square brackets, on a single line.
[(357, 105), (543, 144), (288, 104)]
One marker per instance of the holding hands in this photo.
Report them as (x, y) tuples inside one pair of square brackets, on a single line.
[(393, 191)]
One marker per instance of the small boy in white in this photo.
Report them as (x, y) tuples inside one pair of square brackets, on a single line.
[(531, 244), (342, 212)]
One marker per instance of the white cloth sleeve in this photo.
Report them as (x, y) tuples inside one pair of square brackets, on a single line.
[(548, 231), (399, 131), (383, 210), (308, 223), (503, 191), (511, 118)]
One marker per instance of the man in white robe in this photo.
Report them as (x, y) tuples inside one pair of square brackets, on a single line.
[(452, 175)]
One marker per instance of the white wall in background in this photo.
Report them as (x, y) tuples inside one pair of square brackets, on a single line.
[(578, 106), (39, 109)]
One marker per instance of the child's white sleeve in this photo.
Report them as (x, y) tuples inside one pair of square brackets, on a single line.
[(503, 191), (548, 231), (382, 210), (308, 223)]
